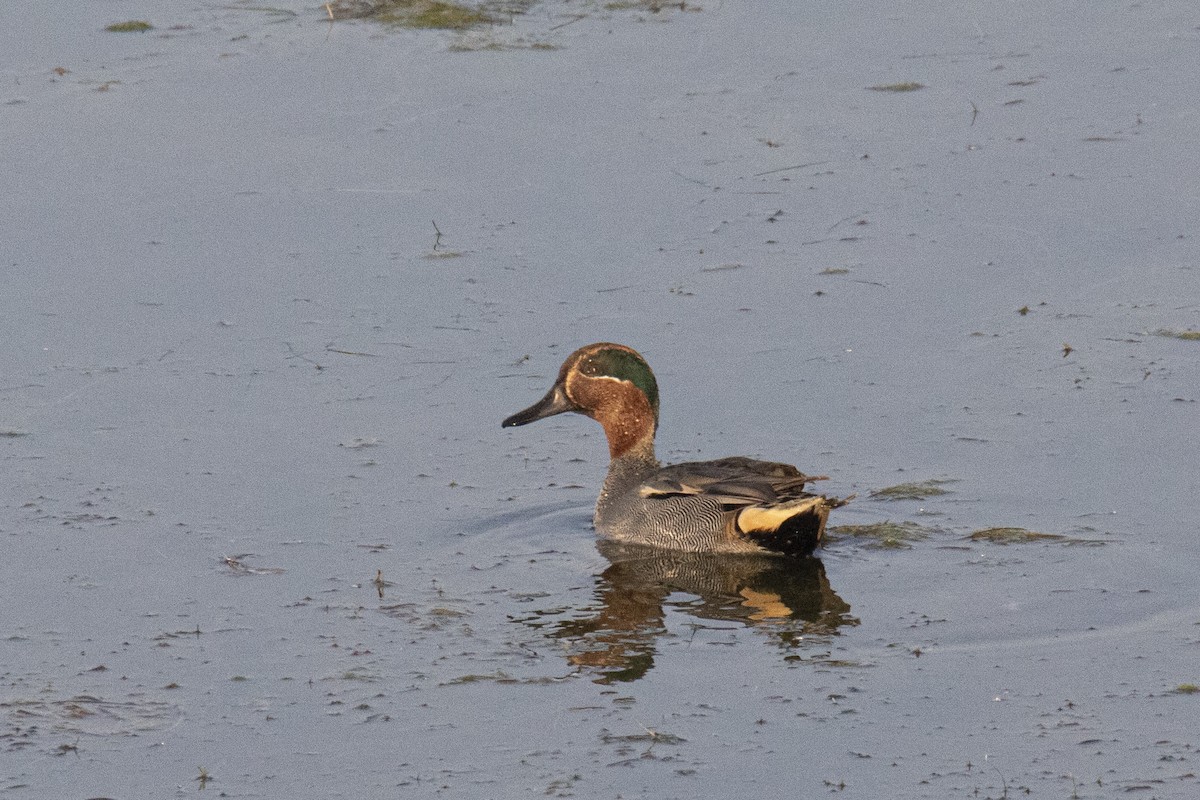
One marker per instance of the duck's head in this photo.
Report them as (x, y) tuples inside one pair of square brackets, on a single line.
[(610, 383)]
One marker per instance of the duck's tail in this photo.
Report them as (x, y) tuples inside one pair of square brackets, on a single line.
[(795, 527)]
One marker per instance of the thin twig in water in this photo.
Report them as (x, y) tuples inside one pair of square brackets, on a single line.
[(846, 219), (329, 349), (785, 169), (696, 181), (572, 21), (301, 356), (437, 240), (1003, 783)]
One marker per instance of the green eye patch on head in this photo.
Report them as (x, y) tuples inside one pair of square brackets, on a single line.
[(626, 366)]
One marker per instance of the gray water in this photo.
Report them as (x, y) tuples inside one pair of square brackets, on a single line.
[(270, 283)]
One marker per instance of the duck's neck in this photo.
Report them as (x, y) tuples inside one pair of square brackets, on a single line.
[(629, 424), (630, 434), (626, 447)]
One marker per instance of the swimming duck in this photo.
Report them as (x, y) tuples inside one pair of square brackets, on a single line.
[(730, 505)]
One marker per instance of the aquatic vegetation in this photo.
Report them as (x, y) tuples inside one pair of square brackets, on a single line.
[(130, 26), (913, 491), (650, 735), (906, 86), (884, 535), (1187, 688), (1188, 335), (500, 677), (436, 14), (826, 661), (238, 566), (1011, 535), (653, 6), (460, 16)]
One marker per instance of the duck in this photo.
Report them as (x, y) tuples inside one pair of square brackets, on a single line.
[(728, 505)]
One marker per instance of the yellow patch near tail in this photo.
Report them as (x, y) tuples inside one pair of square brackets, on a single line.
[(767, 519)]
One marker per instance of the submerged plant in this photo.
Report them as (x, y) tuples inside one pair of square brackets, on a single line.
[(130, 26), (1010, 535), (905, 86), (913, 491), (884, 535), (437, 14), (1189, 335)]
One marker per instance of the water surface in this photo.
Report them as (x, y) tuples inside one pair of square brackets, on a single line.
[(271, 283)]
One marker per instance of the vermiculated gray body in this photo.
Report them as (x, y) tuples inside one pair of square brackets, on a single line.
[(692, 506)]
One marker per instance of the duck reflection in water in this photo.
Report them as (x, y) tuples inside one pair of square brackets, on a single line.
[(790, 597)]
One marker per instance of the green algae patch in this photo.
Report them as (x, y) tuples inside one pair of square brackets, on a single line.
[(1187, 688), (1189, 336), (1008, 535), (920, 490), (435, 14), (653, 6), (885, 535), (906, 86), (1004, 535), (650, 736), (500, 677), (481, 42), (130, 26), (826, 661), (425, 14)]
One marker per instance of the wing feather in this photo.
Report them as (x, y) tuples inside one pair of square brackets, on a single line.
[(733, 482)]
